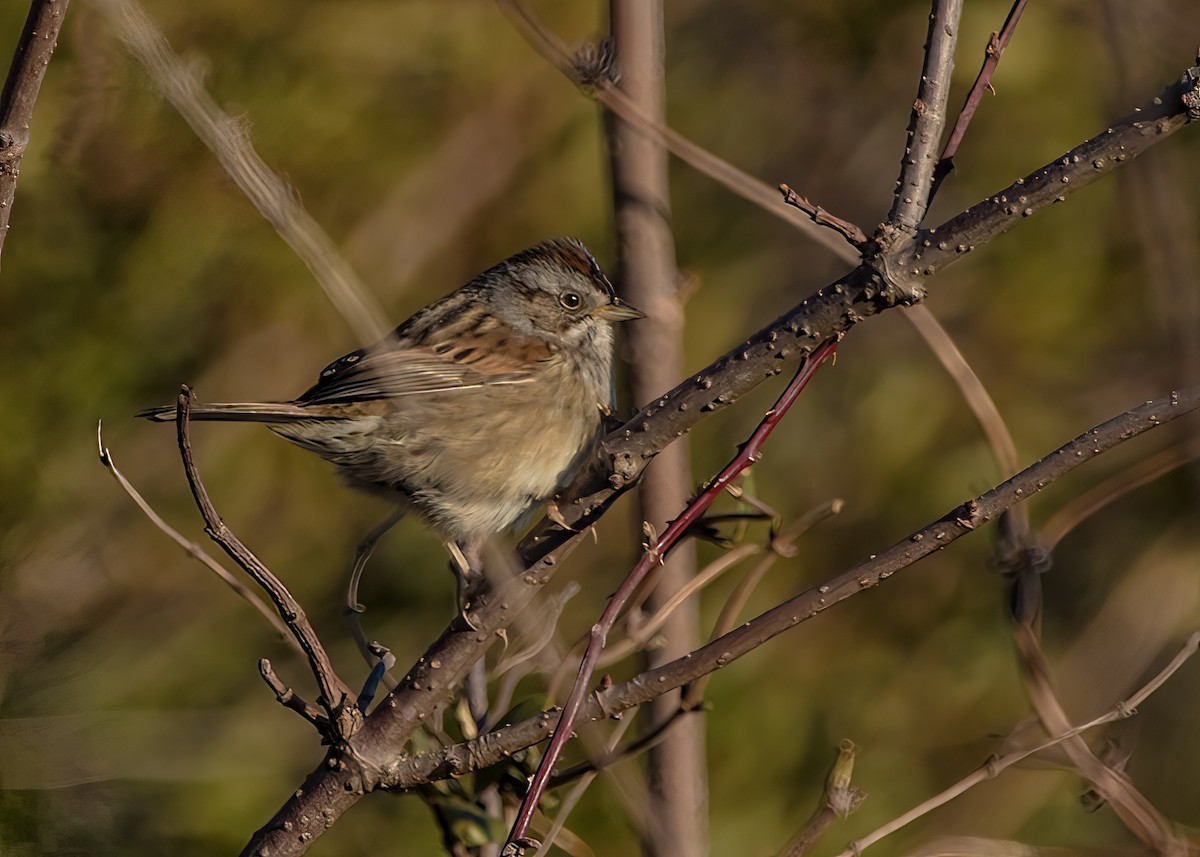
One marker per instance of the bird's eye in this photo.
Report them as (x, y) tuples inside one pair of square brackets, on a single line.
[(570, 300)]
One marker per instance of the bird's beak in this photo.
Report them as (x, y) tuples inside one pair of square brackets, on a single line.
[(617, 311)]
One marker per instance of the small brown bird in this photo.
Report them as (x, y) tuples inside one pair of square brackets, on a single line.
[(477, 407)]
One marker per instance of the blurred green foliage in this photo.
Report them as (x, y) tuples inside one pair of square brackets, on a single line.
[(430, 141)]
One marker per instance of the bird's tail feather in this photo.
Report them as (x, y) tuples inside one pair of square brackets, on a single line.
[(252, 412)]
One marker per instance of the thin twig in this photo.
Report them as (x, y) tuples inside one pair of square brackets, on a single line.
[(290, 699), (644, 633), (779, 545), (353, 609), (336, 698), (854, 236), (749, 452), (987, 415), (549, 612), (656, 733), (1134, 809), (1082, 507), (572, 798), (229, 140), (783, 545), (999, 438), (550, 47), (991, 768), (983, 83), (192, 549), (38, 40)]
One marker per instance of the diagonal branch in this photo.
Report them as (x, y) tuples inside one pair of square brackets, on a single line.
[(498, 745), (738, 181), (229, 141), (871, 288), (656, 551)]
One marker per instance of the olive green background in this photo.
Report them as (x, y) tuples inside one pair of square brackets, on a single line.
[(431, 141)]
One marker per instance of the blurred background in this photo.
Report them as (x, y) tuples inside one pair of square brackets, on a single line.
[(431, 141)]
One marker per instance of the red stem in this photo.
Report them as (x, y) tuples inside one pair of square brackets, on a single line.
[(983, 80), (748, 453)]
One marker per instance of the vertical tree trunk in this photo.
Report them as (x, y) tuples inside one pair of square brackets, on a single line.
[(646, 253)]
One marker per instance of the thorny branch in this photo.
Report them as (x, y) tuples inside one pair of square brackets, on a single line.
[(913, 188), (881, 282), (656, 549), (495, 746), (983, 83)]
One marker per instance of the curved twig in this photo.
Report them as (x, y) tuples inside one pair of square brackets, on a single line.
[(191, 548), (336, 698)]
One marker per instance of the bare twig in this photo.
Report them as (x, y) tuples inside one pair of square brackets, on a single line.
[(1131, 806), (1082, 507), (353, 610), (549, 46), (38, 40), (571, 800), (987, 415), (614, 754), (983, 83), (290, 699), (913, 188), (999, 438), (854, 236), (783, 545), (336, 698), (644, 632), (656, 549), (229, 140), (993, 767), (191, 548)]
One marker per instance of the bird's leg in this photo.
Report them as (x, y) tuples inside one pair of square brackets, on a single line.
[(353, 609), (467, 566), (466, 562)]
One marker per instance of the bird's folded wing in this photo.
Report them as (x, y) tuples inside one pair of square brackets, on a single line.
[(394, 369)]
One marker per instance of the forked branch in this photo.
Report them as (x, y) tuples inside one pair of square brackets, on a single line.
[(336, 698)]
